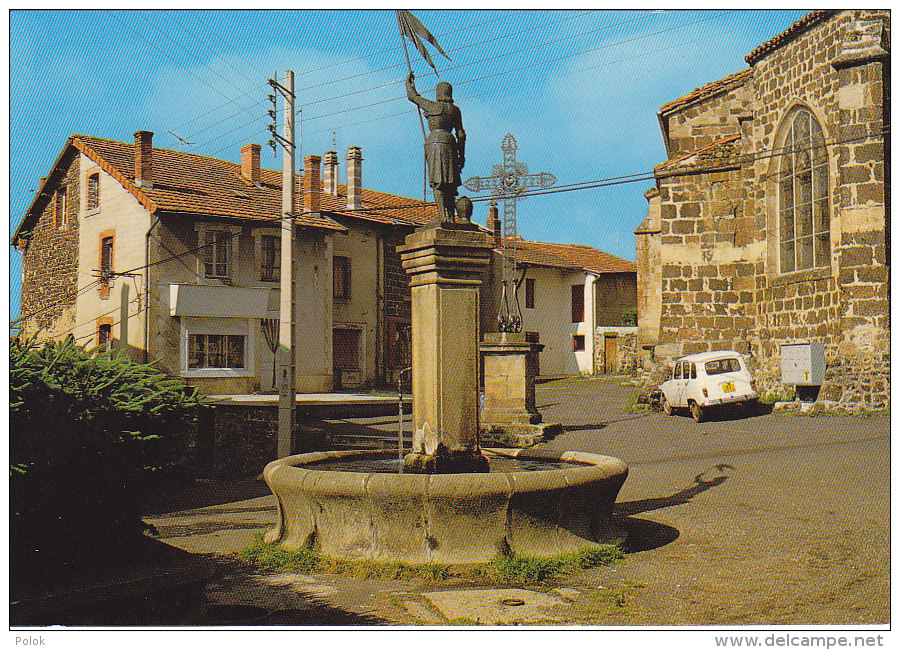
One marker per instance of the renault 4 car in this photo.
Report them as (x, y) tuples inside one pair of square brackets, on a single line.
[(709, 379)]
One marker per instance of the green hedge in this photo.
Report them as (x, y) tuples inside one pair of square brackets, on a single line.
[(88, 428)]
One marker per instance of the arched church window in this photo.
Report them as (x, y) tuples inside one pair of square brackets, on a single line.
[(804, 210)]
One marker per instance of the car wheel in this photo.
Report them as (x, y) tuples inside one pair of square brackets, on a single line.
[(696, 412), (667, 408)]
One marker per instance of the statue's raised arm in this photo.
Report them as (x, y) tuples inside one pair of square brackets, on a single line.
[(445, 146)]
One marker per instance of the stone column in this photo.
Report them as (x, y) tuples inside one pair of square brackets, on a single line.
[(445, 266)]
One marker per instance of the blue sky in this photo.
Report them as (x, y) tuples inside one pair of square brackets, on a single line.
[(578, 89)]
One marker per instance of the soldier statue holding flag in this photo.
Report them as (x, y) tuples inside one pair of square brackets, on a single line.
[(445, 153)]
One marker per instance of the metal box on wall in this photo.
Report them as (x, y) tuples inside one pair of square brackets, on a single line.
[(803, 364)]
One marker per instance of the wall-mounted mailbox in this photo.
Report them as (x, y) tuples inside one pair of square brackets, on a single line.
[(803, 364)]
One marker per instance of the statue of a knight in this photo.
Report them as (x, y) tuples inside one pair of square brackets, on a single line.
[(444, 152)]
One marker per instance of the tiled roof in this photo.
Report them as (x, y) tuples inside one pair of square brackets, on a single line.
[(570, 256), (199, 185), (724, 152), (710, 89), (810, 19), (380, 207), (185, 182)]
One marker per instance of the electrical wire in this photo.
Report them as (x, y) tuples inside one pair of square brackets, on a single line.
[(592, 184)]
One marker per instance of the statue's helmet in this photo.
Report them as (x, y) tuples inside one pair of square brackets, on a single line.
[(443, 92)]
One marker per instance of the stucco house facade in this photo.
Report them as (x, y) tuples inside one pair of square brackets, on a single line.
[(175, 258), (769, 222), (573, 299)]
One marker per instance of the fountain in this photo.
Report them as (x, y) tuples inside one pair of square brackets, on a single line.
[(447, 501)]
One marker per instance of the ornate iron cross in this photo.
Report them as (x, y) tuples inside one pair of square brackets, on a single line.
[(509, 182)]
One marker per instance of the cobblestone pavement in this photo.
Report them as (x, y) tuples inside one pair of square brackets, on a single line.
[(770, 519)]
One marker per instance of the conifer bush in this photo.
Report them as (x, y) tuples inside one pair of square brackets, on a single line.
[(88, 427)]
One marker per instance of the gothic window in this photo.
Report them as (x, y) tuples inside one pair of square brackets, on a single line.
[(804, 221)]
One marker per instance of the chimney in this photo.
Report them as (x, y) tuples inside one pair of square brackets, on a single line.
[(331, 173), (354, 178), (312, 192), (493, 224), (143, 159), (250, 162)]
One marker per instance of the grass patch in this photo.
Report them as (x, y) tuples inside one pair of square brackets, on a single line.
[(504, 569)]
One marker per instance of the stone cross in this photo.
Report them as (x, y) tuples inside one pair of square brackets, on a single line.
[(509, 184)]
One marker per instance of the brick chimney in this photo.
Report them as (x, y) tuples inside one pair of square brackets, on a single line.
[(330, 172), (143, 159), (312, 191), (354, 178), (493, 224), (250, 162)]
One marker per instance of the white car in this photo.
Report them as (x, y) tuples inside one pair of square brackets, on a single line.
[(709, 379)]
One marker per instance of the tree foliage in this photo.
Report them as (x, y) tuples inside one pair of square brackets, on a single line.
[(87, 428)]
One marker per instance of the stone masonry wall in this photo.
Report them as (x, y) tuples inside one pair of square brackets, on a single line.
[(721, 285), (50, 263), (847, 305)]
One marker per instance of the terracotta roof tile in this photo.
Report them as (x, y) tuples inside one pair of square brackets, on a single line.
[(190, 183), (570, 256), (710, 89), (809, 20)]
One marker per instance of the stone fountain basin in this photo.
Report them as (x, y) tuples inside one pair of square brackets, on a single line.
[(445, 518)]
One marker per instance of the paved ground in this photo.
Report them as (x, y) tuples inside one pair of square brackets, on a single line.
[(771, 519)]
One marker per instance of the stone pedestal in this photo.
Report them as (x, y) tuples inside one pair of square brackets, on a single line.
[(445, 266), (509, 417)]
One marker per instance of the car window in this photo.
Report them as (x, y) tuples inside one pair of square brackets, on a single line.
[(722, 365), (693, 371), (677, 374)]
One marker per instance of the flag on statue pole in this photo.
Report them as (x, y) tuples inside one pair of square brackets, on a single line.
[(415, 31)]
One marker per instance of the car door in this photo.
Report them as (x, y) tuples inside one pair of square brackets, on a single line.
[(682, 377)]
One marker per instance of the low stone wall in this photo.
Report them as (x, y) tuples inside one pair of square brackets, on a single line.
[(627, 361)]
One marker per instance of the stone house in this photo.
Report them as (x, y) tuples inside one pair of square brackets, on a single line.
[(577, 301), (175, 258), (769, 222)]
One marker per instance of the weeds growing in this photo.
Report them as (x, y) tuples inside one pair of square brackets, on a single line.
[(505, 569)]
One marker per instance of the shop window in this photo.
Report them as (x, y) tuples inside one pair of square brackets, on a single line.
[(215, 351)]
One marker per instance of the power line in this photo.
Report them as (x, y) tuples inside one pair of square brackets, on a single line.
[(583, 185), (528, 66)]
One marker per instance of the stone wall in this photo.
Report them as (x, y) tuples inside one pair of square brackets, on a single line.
[(628, 357), (50, 261), (716, 202)]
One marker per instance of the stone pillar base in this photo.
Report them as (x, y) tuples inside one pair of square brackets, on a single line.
[(518, 434), (510, 417), (444, 461)]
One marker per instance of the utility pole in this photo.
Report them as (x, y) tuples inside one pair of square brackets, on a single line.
[(286, 356)]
